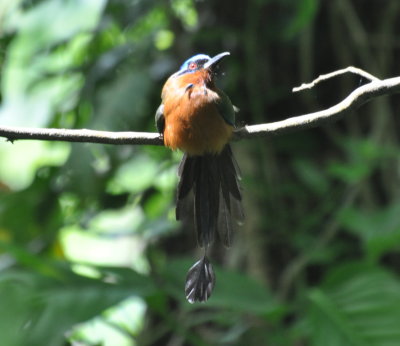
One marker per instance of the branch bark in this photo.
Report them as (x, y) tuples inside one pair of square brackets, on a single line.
[(81, 135), (358, 97), (324, 77)]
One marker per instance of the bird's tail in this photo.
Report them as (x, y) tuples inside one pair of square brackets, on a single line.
[(209, 191)]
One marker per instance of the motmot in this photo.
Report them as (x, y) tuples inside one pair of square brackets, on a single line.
[(198, 118)]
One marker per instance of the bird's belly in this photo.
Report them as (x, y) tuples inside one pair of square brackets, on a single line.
[(196, 127)]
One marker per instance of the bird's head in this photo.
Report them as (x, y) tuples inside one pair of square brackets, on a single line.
[(201, 62)]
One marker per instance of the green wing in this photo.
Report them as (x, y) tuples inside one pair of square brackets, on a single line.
[(226, 108), (159, 118)]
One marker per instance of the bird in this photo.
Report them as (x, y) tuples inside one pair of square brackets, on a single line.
[(198, 118)]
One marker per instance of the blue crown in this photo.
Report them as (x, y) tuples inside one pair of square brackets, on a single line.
[(185, 65)]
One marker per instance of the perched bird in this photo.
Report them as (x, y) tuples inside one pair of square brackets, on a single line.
[(198, 118)]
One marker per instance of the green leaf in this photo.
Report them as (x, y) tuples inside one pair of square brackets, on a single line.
[(42, 310), (135, 175), (379, 229), (186, 12), (242, 293), (363, 156), (311, 175), (19, 174), (31, 90), (350, 172), (357, 305), (68, 17), (305, 13)]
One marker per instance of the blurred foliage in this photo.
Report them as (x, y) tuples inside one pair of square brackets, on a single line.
[(90, 253)]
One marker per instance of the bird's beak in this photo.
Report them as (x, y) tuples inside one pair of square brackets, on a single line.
[(215, 60)]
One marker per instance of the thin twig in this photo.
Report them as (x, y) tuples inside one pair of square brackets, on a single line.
[(357, 98), (327, 76)]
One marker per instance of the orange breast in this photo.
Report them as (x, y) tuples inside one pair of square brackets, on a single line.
[(192, 121)]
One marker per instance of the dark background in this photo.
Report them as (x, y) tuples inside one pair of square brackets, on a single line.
[(90, 251)]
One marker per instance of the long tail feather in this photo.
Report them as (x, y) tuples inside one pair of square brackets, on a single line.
[(202, 210), (214, 182), (200, 281), (225, 224), (186, 173)]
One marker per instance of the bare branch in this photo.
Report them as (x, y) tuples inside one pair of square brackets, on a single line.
[(327, 76), (357, 98), (81, 135)]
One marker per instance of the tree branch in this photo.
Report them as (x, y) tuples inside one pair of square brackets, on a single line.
[(357, 98), (81, 135), (327, 76)]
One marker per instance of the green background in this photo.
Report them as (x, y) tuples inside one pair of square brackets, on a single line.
[(90, 253)]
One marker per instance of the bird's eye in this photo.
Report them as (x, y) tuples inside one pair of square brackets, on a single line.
[(192, 66)]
